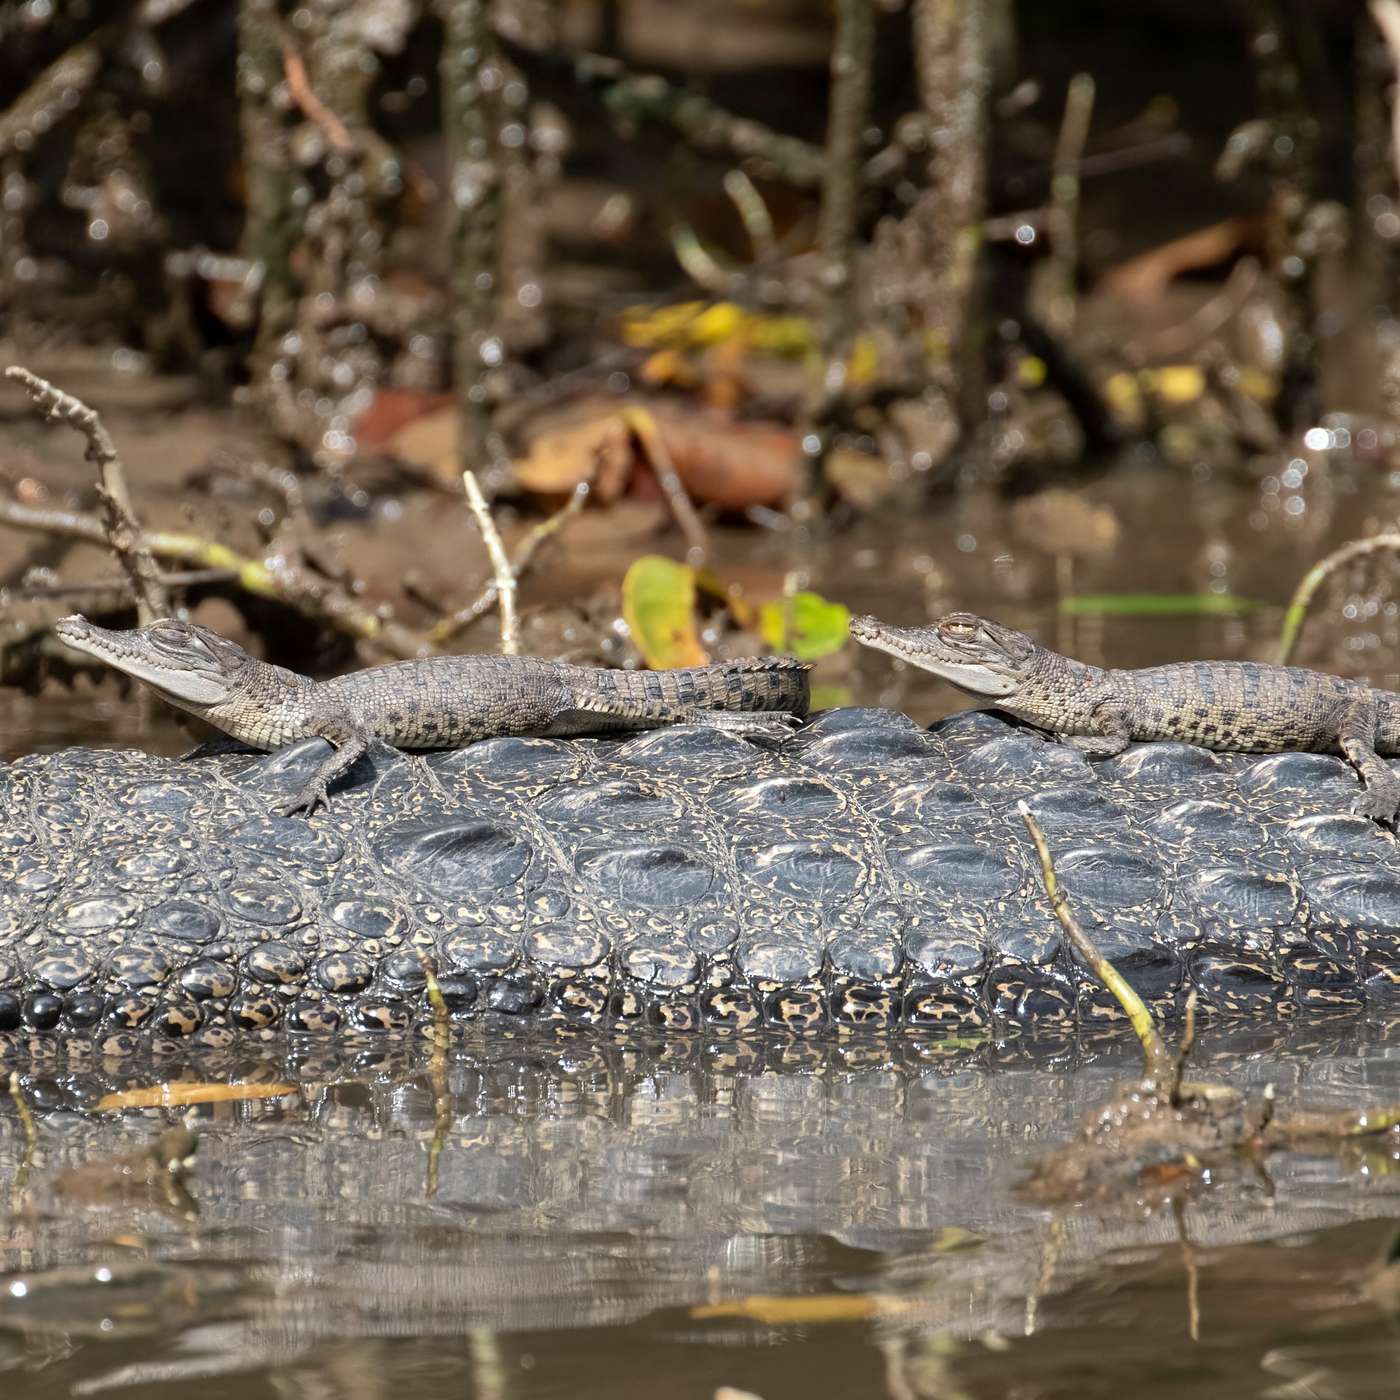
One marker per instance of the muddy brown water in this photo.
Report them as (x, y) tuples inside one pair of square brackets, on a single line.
[(703, 1219)]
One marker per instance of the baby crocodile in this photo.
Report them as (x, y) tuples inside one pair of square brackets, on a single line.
[(439, 702), (1235, 706)]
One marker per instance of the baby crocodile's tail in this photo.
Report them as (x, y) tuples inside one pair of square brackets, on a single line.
[(748, 683)]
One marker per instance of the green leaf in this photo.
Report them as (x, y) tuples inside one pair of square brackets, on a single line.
[(1159, 605), (806, 626), (658, 601)]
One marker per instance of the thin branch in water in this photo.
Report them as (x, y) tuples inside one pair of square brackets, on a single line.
[(122, 530), (1160, 1063), (1208, 319), (1184, 1048), (1303, 595), (445, 630), (31, 1143), (440, 1037), (500, 565)]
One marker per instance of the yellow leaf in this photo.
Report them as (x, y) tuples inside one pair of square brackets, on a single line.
[(658, 601)]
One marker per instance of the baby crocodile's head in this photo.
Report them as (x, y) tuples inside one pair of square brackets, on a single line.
[(976, 655), (183, 662)]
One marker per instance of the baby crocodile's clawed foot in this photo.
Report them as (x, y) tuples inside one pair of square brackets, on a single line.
[(757, 724), (305, 803), (1095, 745), (1380, 802)]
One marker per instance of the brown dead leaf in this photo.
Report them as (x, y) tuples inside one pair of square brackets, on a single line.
[(599, 450), (428, 445), (719, 462), (393, 409), (728, 464)]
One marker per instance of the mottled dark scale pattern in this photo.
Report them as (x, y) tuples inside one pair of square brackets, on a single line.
[(867, 875)]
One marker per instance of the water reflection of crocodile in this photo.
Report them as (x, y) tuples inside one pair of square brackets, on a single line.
[(864, 874)]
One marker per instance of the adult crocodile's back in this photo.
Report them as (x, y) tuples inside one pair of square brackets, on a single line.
[(866, 874)]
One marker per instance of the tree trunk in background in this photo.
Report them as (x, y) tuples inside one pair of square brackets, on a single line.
[(470, 77), (273, 220), (943, 237)]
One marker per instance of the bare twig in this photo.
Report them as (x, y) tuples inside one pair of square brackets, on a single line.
[(319, 599), (758, 222), (445, 630), (49, 98), (185, 578), (500, 565), (1313, 580), (122, 530), (641, 98), (1208, 319), (26, 1118), (311, 106), (1160, 1062), (1059, 270), (643, 425)]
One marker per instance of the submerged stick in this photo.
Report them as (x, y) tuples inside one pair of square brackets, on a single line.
[(51, 96), (1303, 595), (500, 565), (31, 1143), (440, 1037), (26, 1118), (122, 530), (1159, 1061)]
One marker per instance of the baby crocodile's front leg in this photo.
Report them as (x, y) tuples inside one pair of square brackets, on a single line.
[(349, 741), (1356, 737)]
